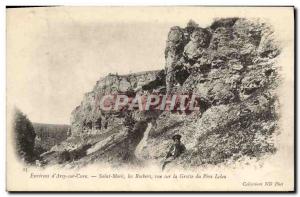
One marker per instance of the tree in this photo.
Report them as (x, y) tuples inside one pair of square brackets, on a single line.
[(24, 137)]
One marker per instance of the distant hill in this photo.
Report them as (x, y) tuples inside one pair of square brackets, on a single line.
[(48, 135)]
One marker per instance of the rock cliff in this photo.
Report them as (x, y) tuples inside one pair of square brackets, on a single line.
[(231, 65)]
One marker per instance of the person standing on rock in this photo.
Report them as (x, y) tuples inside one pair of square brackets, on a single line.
[(175, 151), (173, 52)]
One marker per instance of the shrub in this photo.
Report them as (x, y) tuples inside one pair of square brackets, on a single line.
[(24, 137)]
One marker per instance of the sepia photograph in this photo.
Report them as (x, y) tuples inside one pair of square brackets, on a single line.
[(156, 98)]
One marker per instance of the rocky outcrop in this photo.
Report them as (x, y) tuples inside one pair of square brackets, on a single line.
[(231, 65)]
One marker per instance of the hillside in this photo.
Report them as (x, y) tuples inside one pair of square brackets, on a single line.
[(233, 69)]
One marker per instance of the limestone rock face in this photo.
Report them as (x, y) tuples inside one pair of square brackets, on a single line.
[(231, 65), (237, 83), (87, 118)]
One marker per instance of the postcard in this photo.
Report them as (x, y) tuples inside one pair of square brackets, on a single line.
[(174, 98)]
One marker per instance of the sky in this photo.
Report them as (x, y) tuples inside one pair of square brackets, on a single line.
[(55, 55)]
